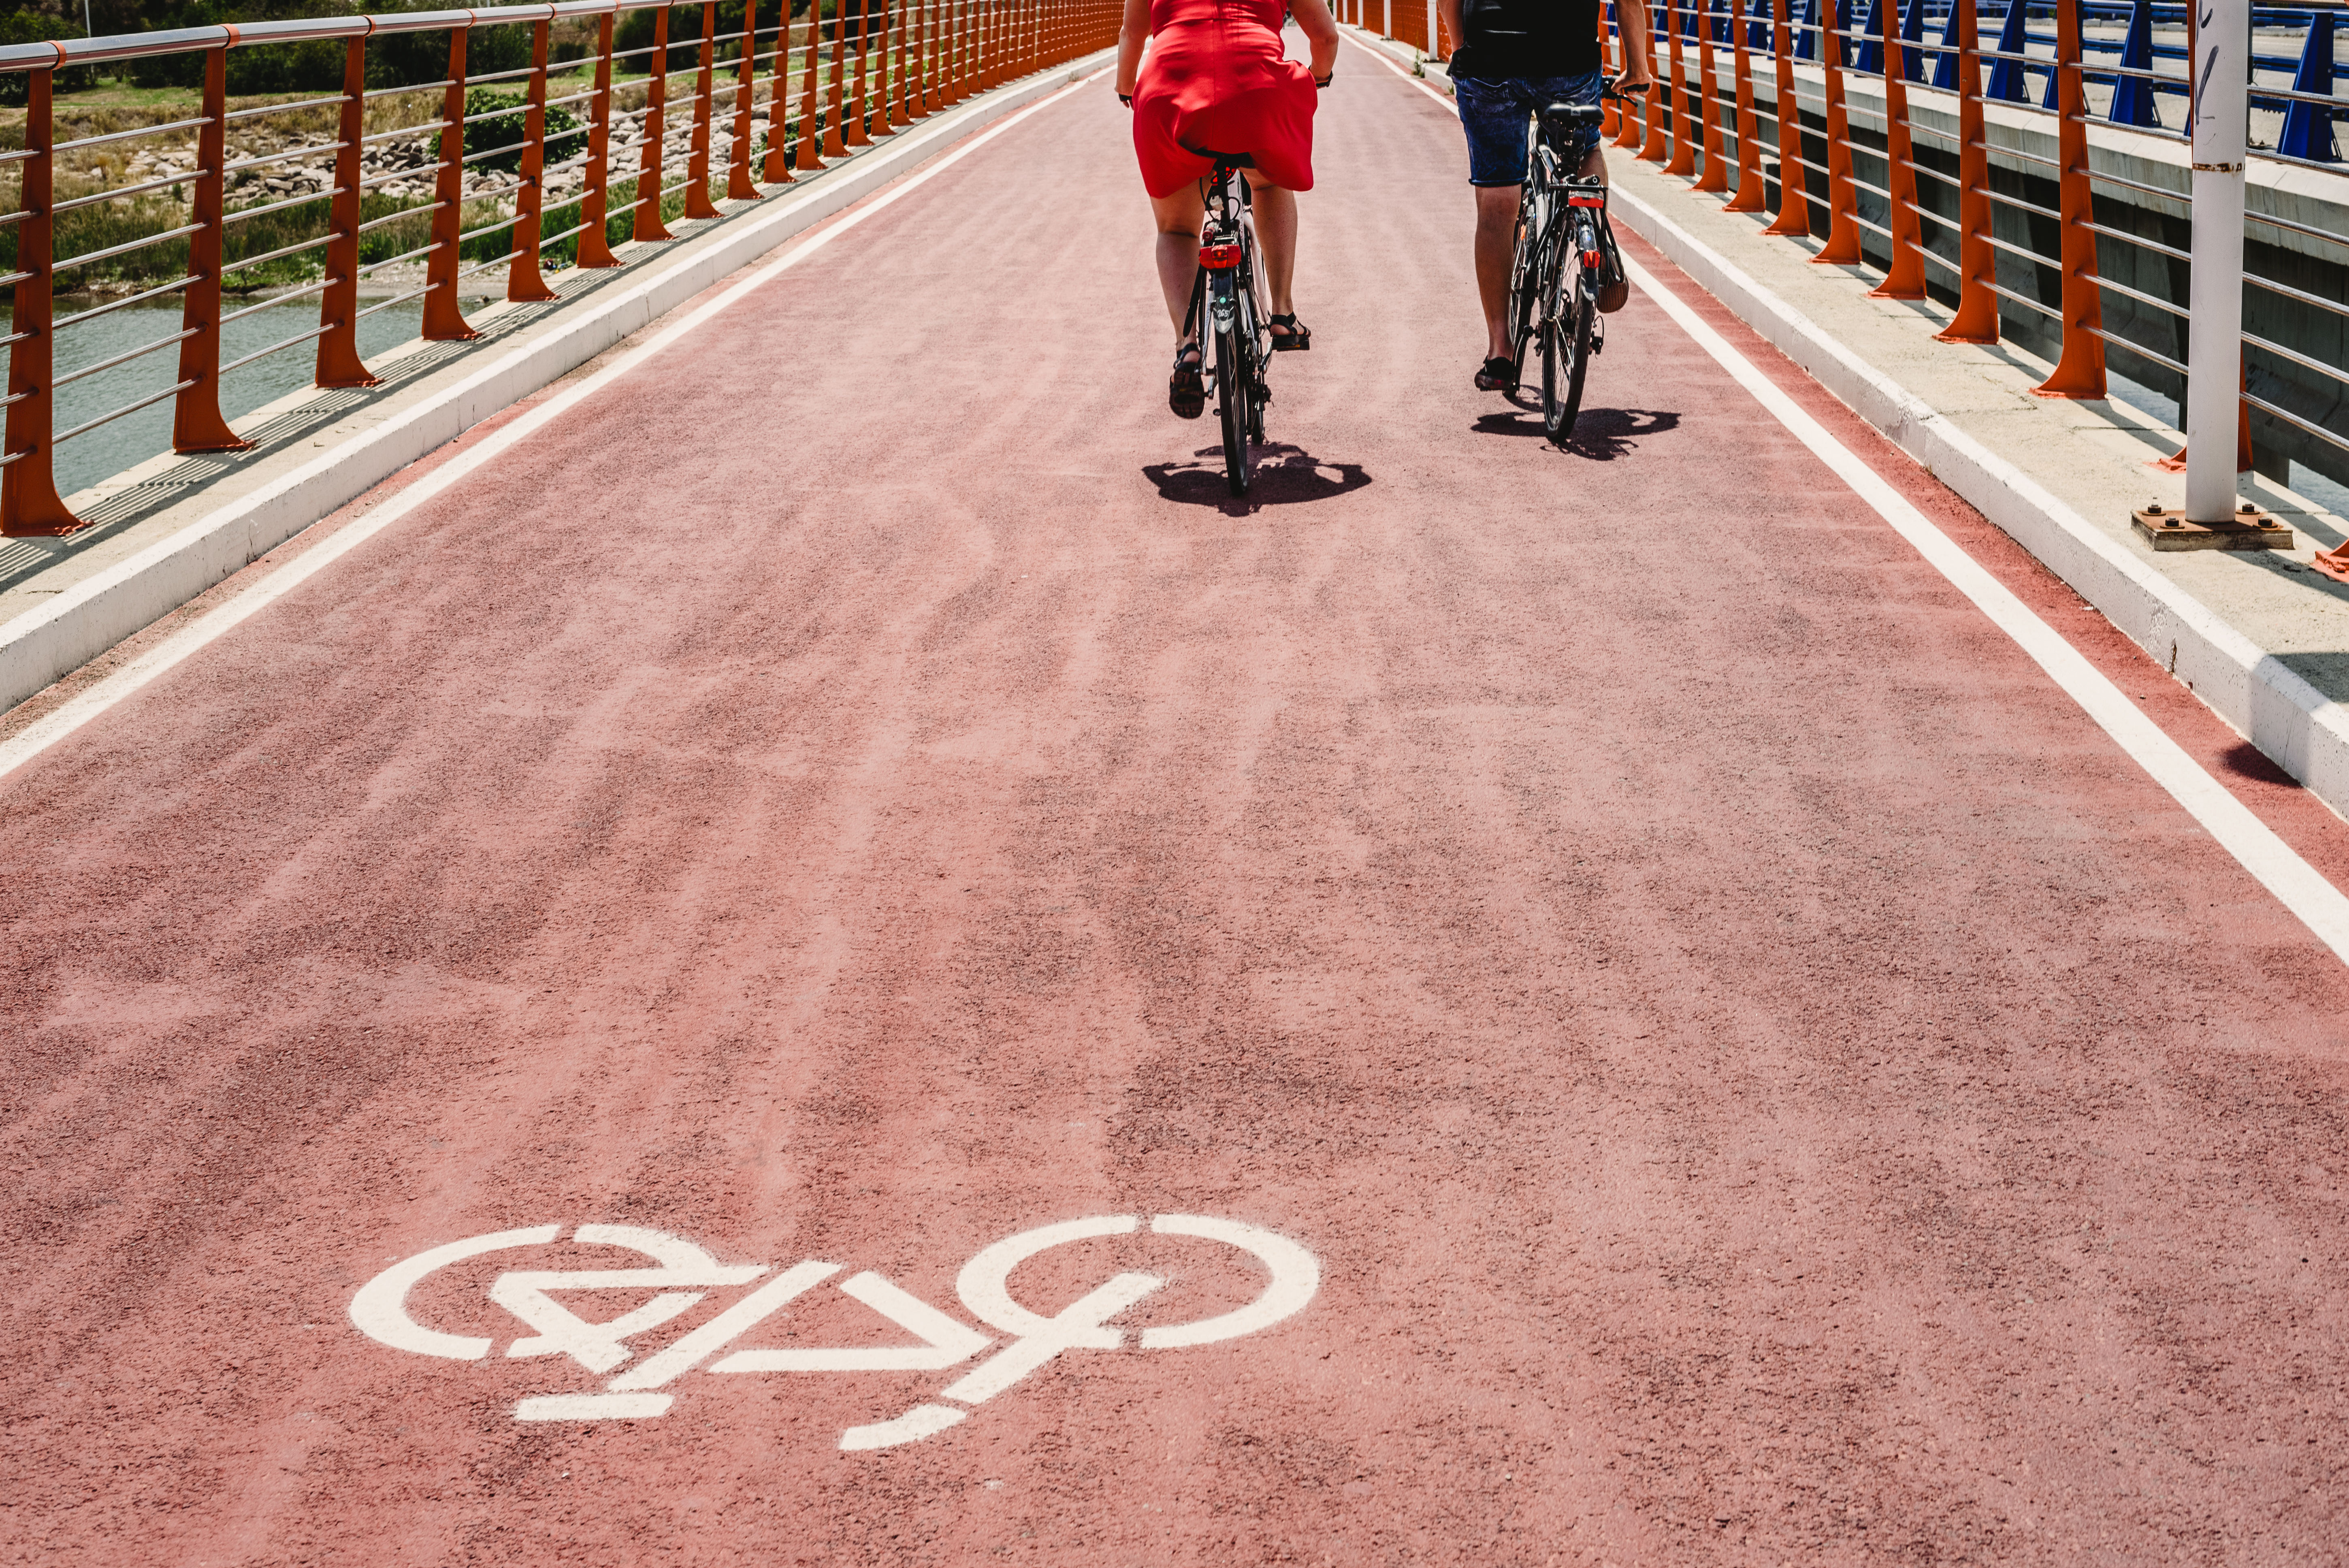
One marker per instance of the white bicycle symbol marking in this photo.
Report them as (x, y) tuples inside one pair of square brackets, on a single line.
[(685, 1273)]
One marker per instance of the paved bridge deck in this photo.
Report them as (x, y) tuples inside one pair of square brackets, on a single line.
[(1763, 1075)]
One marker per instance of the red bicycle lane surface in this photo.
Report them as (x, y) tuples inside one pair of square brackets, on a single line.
[(1758, 1074)]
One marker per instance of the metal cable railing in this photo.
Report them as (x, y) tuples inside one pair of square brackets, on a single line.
[(810, 91)]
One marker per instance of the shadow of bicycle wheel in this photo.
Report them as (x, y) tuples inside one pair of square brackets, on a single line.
[(1285, 476)]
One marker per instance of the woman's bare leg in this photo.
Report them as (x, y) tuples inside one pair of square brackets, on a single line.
[(1178, 218), (1275, 231)]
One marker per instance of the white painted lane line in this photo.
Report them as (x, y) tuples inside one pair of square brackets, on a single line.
[(1419, 82), (2278, 867), (42, 734)]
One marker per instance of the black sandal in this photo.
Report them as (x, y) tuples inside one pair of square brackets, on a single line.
[(1498, 374), (1186, 393), (1287, 334)]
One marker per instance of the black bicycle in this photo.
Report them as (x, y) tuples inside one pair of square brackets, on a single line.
[(1564, 257), (1229, 293)]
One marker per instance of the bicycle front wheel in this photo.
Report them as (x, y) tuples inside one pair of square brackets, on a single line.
[(1566, 347)]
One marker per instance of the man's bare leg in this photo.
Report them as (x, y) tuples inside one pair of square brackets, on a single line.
[(1497, 248)]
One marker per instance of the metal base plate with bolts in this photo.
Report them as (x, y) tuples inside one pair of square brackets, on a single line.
[(2249, 529)]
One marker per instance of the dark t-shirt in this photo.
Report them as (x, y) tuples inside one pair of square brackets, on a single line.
[(1510, 40)]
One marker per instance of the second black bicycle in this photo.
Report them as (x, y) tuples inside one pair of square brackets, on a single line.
[(1564, 260)]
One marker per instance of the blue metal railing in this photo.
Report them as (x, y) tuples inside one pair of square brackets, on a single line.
[(2294, 64)]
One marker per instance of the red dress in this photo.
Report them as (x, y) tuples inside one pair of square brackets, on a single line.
[(1217, 80)]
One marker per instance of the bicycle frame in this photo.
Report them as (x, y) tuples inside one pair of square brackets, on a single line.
[(1228, 317), (1561, 257), (1227, 254)]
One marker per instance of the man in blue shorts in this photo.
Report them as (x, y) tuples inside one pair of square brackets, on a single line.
[(1515, 55)]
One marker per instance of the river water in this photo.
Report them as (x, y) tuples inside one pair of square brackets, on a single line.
[(134, 437)]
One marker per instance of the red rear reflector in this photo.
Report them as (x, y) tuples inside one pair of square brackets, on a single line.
[(1217, 257), (1586, 200), (1590, 259)]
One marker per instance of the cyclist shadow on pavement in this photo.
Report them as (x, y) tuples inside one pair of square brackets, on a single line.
[(1285, 476), (1601, 434)]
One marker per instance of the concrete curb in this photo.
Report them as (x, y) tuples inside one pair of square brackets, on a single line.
[(2302, 730), (83, 622)]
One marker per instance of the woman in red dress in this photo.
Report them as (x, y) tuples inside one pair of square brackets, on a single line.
[(1218, 80)]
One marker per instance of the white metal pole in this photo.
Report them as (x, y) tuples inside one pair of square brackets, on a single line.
[(1431, 29), (2214, 351)]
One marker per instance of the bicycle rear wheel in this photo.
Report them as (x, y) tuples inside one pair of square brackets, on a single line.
[(1232, 394), (1566, 346)]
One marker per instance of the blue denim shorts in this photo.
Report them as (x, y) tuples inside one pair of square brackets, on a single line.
[(1494, 114)]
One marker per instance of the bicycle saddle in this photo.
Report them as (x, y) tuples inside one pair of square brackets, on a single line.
[(1572, 113), (1237, 159)]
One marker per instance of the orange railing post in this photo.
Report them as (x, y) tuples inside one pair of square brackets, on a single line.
[(834, 144), (1716, 172), (892, 56), (974, 78), (950, 77), (1843, 232), (1794, 217), (594, 245), (523, 280), (704, 83), (1977, 317), (777, 169), (338, 346), (1611, 113), (854, 128), (651, 159), (1749, 196), (740, 186), (1628, 128), (810, 87), (2080, 373), (958, 72), (940, 64), (29, 503), (934, 55), (1684, 158), (443, 321), (196, 422), (1904, 278), (1652, 107), (924, 43)]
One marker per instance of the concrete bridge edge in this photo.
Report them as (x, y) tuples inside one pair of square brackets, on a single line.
[(41, 647)]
